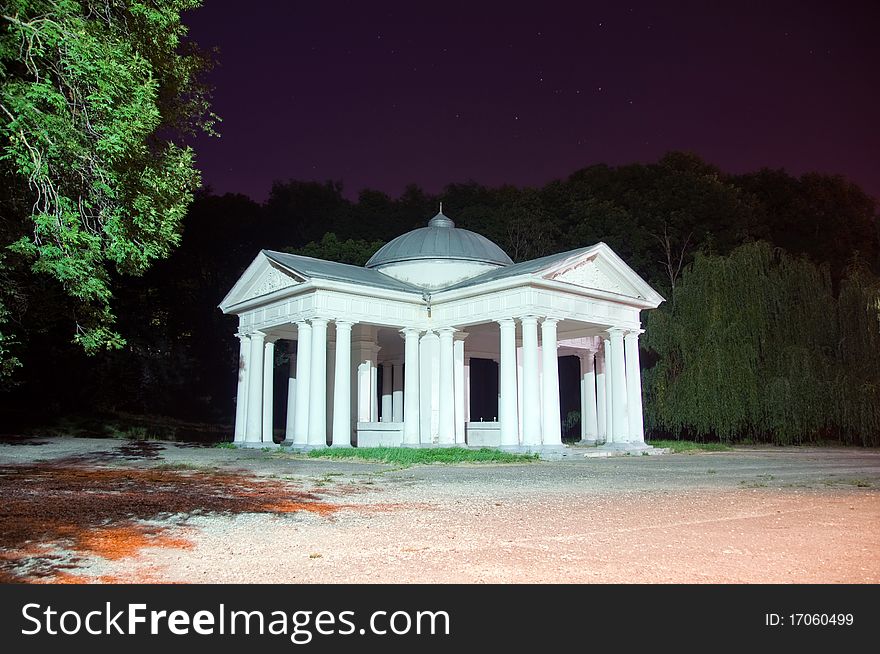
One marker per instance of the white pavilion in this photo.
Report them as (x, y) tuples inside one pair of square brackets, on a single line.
[(441, 340)]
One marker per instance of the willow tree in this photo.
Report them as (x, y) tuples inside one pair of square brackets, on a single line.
[(95, 99), (857, 382), (757, 345)]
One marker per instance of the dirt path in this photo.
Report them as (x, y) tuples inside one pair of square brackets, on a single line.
[(87, 511)]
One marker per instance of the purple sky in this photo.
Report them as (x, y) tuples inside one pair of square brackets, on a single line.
[(380, 95)]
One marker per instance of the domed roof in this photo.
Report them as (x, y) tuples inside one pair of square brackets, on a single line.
[(441, 239)]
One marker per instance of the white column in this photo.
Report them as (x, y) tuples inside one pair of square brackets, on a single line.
[(268, 390), (467, 390), (551, 423), (397, 393), (241, 392), (446, 389), (411, 387), (363, 391), (634, 387), (609, 394), (426, 388), (318, 391), (254, 429), (387, 401), (363, 353), (303, 369), (589, 417), (374, 391), (600, 396), (330, 367), (342, 386), (619, 421), (291, 399), (531, 407), (458, 385), (519, 393), (582, 363), (508, 414)]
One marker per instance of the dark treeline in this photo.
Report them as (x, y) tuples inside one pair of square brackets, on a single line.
[(771, 282)]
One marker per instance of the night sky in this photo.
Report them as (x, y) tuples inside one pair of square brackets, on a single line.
[(380, 95)]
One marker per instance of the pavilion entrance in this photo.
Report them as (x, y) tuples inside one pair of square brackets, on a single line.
[(483, 390)]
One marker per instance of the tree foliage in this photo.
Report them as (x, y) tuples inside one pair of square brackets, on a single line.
[(757, 345), (355, 252), (752, 342), (95, 96)]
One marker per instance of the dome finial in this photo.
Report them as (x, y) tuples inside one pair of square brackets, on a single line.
[(441, 220)]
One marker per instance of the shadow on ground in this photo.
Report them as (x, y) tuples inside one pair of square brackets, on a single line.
[(56, 514)]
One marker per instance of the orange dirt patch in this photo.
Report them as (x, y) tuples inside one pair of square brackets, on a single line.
[(127, 540), (100, 511), (292, 506)]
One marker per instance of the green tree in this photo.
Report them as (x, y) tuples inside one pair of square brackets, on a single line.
[(758, 345), (825, 217), (95, 97), (353, 251)]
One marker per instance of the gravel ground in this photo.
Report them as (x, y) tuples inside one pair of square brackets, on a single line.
[(777, 515)]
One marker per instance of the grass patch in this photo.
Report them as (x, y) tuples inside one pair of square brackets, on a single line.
[(408, 456), (690, 447)]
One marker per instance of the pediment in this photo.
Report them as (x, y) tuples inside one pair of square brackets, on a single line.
[(270, 280), (599, 268), (262, 278), (589, 274)]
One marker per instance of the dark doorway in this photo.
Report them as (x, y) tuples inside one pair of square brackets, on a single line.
[(570, 397), (484, 390)]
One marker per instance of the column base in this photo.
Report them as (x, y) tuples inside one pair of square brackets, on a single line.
[(287, 442), (635, 447), (302, 447), (589, 441), (257, 444), (340, 445)]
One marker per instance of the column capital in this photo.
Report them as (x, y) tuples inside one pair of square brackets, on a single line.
[(258, 334), (460, 335), (528, 319), (614, 331), (507, 323), (344, 324), (633, 333), (407, 331), (318, 319), (447, 331), (550, 319)]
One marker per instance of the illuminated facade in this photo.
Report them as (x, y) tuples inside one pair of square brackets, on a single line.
[(441, 340)]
